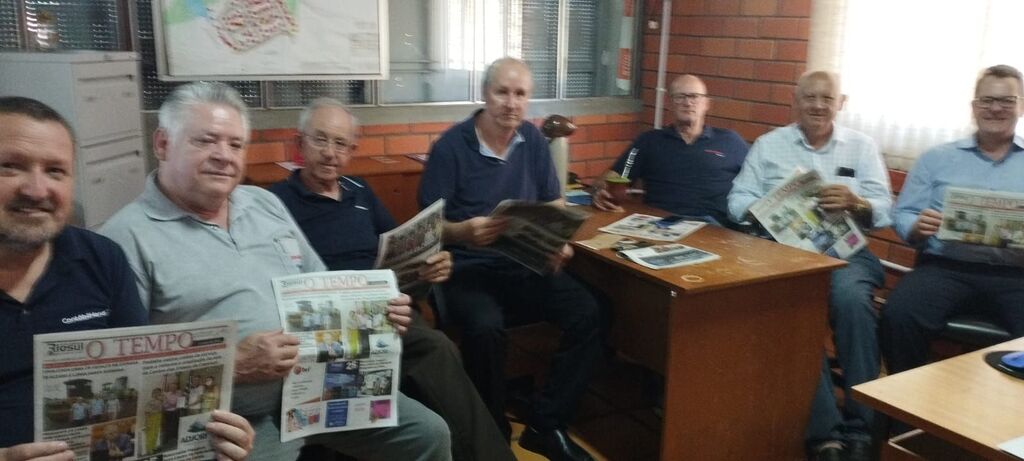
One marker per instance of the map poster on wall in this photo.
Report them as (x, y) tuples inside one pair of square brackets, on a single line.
[(271, 39)]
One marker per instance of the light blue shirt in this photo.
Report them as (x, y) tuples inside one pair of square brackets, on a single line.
[(777, 154), (487, 152), (962, 164)]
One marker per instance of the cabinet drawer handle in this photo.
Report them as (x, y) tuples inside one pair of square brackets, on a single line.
[(130, 78)]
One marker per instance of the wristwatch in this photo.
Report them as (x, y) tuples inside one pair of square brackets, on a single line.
[(862, 207)]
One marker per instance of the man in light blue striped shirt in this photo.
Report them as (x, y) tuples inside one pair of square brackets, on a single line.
[(857, 183)]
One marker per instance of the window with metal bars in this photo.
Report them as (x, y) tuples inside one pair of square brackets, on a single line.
[(439, 48)]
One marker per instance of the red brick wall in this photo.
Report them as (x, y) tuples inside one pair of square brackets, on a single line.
[(598, 140), (749, 52)]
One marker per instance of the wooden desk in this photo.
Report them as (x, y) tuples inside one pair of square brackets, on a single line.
[(739, 340), (961, 400), (395, 183)]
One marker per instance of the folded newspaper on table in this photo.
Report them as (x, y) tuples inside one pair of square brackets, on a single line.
[(128, 393), (665, 256), (405, 248), (791, 214), (349, 354), (651, 228), (535, 231), (983, 217)]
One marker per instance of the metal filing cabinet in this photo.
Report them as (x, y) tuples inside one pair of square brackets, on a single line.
[(98, 92)]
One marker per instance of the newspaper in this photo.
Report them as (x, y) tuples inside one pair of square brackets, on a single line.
[(349, 353), (983, 217), (790, 213), (405, 248), (132, 393), (535, 231), (652, 228), (578, 197), (669, 255)]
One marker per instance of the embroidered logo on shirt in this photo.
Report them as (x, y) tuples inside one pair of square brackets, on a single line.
[(714, 152), (84, 317)]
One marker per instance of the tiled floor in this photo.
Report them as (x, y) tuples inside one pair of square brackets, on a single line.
[(615, 420)]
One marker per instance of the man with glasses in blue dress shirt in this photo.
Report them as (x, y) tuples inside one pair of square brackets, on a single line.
[(951, 277)]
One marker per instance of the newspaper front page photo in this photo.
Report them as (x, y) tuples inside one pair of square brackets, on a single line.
[(349, 354), (134, 393)]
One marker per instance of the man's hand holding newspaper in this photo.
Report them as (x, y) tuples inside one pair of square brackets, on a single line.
[(265, 356)]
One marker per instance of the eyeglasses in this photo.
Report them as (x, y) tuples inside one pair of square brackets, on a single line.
[(1006, 102), (337, 144), (816, 99), (680, 98)]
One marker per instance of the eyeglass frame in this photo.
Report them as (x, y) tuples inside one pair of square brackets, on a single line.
[(1004, 102), (321, 142), (679, 98)]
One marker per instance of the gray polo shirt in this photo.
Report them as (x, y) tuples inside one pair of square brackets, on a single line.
[(188, 269)]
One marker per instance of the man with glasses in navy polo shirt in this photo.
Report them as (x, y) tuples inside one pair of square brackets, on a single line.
[(687, 167), (342, 218), (492, 156), (55, 277)]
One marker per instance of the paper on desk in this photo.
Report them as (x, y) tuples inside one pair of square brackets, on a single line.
[(600, 241), (1014, 447), (643, 226)]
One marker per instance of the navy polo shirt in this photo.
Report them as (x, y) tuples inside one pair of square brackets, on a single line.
[(87, 285), (472, 184), (687, 179), (344, 233)]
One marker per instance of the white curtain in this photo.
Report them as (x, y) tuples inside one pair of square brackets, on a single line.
[(908, 67)]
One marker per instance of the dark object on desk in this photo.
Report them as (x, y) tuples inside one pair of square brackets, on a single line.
[(1009, 362), (557, 126), (668, 221)]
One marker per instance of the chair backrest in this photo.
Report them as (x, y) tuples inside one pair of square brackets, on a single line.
[(976, 330)]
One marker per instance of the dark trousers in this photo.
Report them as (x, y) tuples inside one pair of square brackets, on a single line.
[(432, 374), (478, 297), (854, 324), (938, 288)]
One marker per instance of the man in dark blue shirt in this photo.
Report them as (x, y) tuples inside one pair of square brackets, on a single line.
[(54, 277), (342, 218), (492, 156), (687, 167)]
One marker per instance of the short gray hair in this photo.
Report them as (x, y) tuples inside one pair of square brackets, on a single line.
[(307, 112), (492, 70), (1000, 71), (175, 109)]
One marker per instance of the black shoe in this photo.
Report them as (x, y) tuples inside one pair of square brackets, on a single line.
[(859, 450), (829, 453), (554, 444)]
